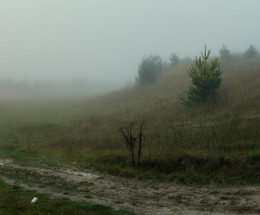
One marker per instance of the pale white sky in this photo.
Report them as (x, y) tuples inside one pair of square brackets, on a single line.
[(107, 39)]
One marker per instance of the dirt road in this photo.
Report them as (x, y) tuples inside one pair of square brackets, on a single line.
[(145, 198)]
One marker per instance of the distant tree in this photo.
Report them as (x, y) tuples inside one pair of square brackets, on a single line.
[(149, 69), (174, 59), (206, 78), (250, 52), (224, 53)]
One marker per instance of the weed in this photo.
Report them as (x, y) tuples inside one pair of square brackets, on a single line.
[(113, 187), (86, 183), (233, 201), (135, 203), (88, 196), (204, 200), (119, 202)]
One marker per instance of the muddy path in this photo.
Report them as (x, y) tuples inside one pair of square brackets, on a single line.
[(145, 198)]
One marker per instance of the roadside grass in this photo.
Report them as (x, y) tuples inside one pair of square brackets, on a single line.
[(217, 142), (15, 200)]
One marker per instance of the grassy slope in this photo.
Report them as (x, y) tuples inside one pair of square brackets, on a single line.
[(215, 141)]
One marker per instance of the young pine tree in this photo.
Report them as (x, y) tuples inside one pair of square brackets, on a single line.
[(250, 52), (224, 53), (206, 79), (174, 59)]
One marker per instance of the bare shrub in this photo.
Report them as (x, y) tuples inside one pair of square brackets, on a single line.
[(131, 134)]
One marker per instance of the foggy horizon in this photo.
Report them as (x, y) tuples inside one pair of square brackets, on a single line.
[(105, 41)]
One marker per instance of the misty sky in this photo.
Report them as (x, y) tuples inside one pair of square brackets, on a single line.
[(107, 39)]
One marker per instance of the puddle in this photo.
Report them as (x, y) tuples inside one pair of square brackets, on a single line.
[(6, 161), (83, 174)]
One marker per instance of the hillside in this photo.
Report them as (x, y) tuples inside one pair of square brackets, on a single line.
[(213, 136), (240, 85), (216, 141)]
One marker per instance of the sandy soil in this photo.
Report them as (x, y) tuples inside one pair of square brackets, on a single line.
[(140, 197)]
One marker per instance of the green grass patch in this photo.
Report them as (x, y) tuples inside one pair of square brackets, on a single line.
[(14, 200)]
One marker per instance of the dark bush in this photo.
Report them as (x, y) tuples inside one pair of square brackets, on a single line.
[(149, 69)]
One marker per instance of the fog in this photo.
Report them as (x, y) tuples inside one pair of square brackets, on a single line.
[(102, 42)]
